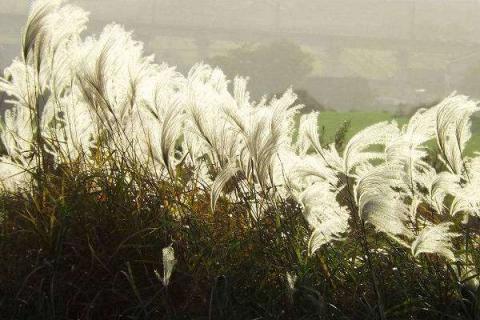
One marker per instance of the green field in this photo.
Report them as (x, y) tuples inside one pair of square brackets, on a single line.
[(330, 121)]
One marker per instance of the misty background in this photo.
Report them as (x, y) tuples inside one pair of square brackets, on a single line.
[(337, 54)]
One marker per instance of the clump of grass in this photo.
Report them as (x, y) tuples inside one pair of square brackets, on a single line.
[(113, 162)]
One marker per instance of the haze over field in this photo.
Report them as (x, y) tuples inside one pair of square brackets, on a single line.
[(346, 54)]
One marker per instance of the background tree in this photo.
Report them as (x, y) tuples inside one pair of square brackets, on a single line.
[(271, 67)]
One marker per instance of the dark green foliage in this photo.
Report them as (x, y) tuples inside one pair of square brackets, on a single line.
[(340, 135), (89, 245)]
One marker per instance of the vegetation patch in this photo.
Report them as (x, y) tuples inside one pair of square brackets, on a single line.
[(131, 191)]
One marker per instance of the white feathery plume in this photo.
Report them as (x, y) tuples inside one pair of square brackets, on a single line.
[(220, 181), (17, 132), (64, 24), (291, 282), (421, 125), (435, 239), (409, 154), (325, 216), (308, 137), (240, 93), (35, 30), (161, 133), (169, 261), (379, 204), (435, 185), (14, 176), (357, 149), (312, 168), (266, 133), (465, 190), (49, 40), (19, 83), (307, 133), (206, 98), (453, 129)]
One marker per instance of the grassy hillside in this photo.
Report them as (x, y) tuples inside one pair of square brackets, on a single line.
[(330, 121)]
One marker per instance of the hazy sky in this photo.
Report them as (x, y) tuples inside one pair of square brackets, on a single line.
[(401, 52)]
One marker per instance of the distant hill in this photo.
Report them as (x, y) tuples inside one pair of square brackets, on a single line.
[(342, 93), (309, 102)]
